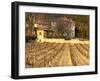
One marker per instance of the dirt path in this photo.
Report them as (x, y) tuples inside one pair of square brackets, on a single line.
[(66, 58)]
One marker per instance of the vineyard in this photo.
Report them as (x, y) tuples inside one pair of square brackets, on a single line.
[(56, 54)]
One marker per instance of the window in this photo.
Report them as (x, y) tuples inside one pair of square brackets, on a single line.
[(40, 33)]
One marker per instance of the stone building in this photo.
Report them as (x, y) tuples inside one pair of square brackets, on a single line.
[(61, 27)]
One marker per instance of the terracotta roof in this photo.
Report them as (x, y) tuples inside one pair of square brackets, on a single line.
[(40, 28)]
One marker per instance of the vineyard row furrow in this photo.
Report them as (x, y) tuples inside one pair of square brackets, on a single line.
[(56, 54)]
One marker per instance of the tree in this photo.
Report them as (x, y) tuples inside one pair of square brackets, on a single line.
[(82, 24)]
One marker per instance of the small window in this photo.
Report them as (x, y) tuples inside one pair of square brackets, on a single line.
[(40, 33)]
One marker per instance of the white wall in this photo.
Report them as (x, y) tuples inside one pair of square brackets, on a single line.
[(5, 40)]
